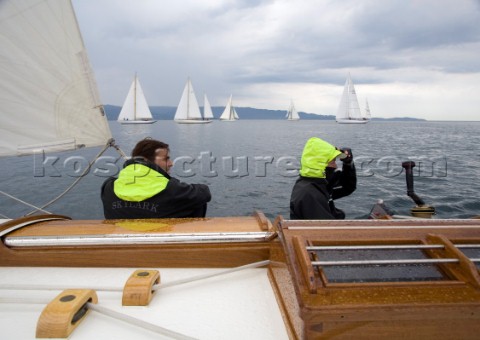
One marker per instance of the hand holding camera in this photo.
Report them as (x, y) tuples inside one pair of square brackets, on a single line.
[(349, 159)]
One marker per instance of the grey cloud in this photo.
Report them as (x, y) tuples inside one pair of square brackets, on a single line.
[(227, 46)]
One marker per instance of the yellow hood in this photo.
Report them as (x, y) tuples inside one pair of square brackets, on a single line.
[(315, 157)]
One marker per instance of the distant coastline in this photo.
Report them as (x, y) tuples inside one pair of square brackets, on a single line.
[(167, 113)]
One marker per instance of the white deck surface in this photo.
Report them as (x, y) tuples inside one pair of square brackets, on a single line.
[(238, 305)]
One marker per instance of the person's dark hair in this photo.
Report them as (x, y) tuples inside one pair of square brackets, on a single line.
[(146, 148)]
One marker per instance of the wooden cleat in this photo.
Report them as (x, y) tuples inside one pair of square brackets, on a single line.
[(138, 290), (64, 313)]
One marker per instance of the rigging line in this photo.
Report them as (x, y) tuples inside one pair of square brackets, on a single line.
[(108, 312), (154, 287), (116, 147), (87, 169), (210, 275), (137, 322), (23, 202)]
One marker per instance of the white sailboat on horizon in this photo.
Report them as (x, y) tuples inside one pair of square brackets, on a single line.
[(348, 109), (135, 109), (292, 113), (207, 108), (188, 111), (368, 115), (229, 114)]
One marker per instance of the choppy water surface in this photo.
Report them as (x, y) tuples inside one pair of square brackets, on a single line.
[(251, 164)]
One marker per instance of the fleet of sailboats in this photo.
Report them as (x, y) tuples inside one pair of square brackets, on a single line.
[(188, 111), (229, 114), (135, 109), (292, 113), (349, 109)]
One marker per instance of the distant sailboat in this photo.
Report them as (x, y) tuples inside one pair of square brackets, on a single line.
[(188, 111), (349, 110), (292, 113), (207, 109), (135, 109), (368, 115), (229, 114)]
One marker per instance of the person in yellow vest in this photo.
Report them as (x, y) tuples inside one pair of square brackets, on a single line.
[(320, 182), (145, 189)]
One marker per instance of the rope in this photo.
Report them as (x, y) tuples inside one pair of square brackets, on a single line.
[(137, 322), (155, 287), (19, 200), (116, 147), (110, 143), (207, 276), (111, 313)]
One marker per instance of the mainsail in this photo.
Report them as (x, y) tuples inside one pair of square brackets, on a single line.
[(135, 108), (229, 114), (49, 99)]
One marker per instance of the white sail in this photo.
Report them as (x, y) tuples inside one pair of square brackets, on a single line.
[(188, 109), (229, 114), (292, 113), (135, 108), (348, 109), (368, 115), (207, 109), (49, 99)]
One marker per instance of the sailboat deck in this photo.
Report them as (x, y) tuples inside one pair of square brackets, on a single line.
[(342, 279), (216, 308)]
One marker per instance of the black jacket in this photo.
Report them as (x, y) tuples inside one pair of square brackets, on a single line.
[(312, 198), (177, 199)]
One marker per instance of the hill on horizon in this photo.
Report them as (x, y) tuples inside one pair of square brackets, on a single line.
[(168, 112)]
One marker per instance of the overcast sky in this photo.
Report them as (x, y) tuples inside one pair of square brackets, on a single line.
[(418, 58)]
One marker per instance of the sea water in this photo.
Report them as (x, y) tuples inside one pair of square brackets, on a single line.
[(253, 164)]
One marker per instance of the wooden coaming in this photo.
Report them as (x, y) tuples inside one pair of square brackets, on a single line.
[(146, 255)]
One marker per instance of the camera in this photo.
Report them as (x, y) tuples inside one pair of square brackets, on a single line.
[(348, 151)]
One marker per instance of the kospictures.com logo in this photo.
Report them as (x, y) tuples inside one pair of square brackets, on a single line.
[(208, 165)]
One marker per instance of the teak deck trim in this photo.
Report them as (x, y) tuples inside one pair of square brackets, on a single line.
[(211, 251), (423, 309)]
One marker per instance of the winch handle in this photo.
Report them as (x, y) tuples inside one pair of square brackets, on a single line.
[(408, 166)]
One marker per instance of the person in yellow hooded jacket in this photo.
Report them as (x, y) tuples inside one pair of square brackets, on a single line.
[(144, 188), (320, 182)]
